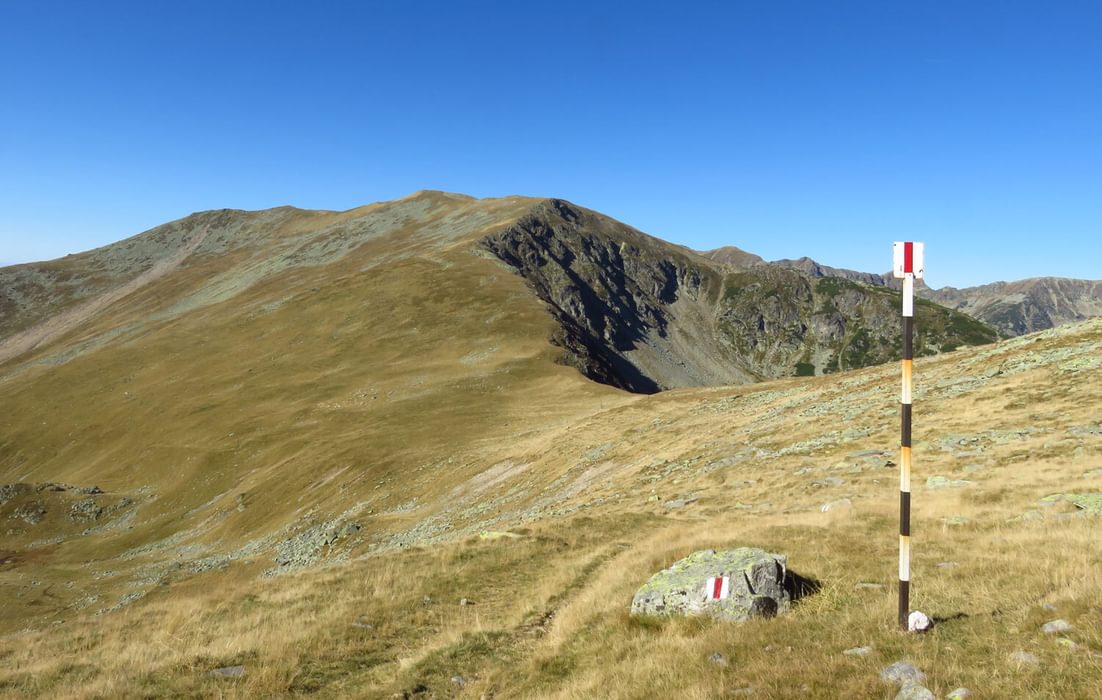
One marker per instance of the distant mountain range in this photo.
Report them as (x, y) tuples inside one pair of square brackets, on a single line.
[(1013, 308)]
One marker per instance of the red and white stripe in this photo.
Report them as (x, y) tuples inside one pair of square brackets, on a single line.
[(718, 587)]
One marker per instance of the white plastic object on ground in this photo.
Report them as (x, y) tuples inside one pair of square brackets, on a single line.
[(918, 622)]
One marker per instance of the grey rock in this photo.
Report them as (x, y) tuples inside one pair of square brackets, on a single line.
[(30, 513), (1023, 658), (948, 565), (228, 672), (829, 481), (1067, 643), (679, 502), (1051, 607), (465, 602), (756, 585), (942, 482), (1056, 626), (459, 681), (902, 673), (85, 510), (858, 651), (914, 691), (959, 694), (718, 659)]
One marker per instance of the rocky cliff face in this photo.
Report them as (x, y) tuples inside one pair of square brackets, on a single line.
[(1012, 308), (1025, 306), (645, 315)]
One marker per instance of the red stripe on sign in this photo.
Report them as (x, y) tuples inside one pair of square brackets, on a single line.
[(909, 257), (717, 587)]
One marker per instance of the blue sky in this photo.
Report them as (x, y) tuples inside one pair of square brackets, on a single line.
[(826, 129)]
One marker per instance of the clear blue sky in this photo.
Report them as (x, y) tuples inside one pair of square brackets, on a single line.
[(815, 128)]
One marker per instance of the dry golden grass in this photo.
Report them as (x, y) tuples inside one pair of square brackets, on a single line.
[(422, 397)]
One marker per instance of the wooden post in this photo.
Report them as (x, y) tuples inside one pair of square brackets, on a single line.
[(909, 266)]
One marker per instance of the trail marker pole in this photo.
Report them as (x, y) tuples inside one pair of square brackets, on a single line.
[(908, 265)]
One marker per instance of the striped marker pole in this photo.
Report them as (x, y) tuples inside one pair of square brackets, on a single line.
[(908, 259)]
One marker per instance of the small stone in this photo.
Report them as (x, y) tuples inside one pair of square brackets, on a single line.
[(840, 504), (459, 681), (858, 651), (465, 601), (718, 659), (679, 502), (228, 672), (1067, 643), (902, 673), (1051, 607), (957, 520), (748, 690), (1056, 626), (948, 565), (914, 691), (863, 586), (959, 694), (941, 482), (427, 600), (1023, 658)]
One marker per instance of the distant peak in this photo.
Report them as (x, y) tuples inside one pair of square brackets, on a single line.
[(438, 194)]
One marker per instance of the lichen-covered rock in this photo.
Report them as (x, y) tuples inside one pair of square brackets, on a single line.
[(1088, 503), (902, 673), (756, 586)]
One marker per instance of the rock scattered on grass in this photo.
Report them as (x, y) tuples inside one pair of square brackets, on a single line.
[(459, 681), (1067, 643), (942, 482), (947, 565), (914, 691), (228, 672), (858, 651), (758, 586), (718, 659), (959, 694), (901, 673), (1023, 658), (1056, 626), (1051, 607)]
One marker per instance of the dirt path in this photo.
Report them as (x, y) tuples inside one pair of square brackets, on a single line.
[(61, 323)]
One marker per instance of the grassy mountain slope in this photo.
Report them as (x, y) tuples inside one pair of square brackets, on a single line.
[(378, 391)]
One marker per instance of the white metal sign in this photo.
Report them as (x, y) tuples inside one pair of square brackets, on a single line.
[(908, 259)]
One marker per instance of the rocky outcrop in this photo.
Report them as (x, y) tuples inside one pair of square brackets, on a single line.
[(732, 585), (1025, 306), (633, 311), (1012, 308), (644, 315)]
